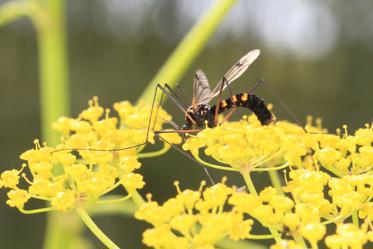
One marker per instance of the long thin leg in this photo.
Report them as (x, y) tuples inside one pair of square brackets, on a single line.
[(178, 131), (147, 130), (191, 158), (182, 91), (256, 86), (282, 103), (219, 100), (174, 100), (175, 95), (228, 115), (122, 148), (156, 113)]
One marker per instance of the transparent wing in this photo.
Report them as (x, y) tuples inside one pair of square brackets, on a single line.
[(236, 71), (201, 87)]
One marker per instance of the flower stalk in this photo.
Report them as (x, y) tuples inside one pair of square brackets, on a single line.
[(251, 187), (95, 229)]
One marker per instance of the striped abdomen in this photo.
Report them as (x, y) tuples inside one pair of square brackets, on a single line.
[(250, 101)]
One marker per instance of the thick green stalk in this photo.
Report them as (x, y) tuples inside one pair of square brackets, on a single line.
[(189, 48), (62, 230), (53, 67)]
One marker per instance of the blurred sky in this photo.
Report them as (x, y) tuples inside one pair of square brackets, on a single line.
[(317, 56)]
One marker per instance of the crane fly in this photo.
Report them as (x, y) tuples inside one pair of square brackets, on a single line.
[(199, 113)]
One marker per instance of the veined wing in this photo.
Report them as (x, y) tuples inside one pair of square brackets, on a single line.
[(234, 72), (201, 87)]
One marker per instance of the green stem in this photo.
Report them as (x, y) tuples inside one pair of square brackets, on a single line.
[(249, 183), (54, 103), (189, 48), (251, 188), (95, 230), (36, 211), (211, 165), (112, 201), (136, 197), (276, 181), (260, 236), (126, 209), (53, 68), (160, 152), (355, 219)]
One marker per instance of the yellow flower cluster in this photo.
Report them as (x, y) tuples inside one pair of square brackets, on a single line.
[(108, 133), (330, 178), (197, 219), (247, 145), (82, 168)]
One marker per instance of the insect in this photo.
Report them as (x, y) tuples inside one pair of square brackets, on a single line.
[(199, 112)]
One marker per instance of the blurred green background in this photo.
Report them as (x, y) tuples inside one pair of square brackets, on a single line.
[(316, 55)]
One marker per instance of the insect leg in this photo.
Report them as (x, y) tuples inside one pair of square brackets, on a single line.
[(122, 148), (219, 100), (282, 103), (183, 92), (169, 94), (234, 108), (218, 103), (191, 158)]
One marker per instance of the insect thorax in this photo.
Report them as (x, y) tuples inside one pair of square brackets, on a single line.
[(200, 114)]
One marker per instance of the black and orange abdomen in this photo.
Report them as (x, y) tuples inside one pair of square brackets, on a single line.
[(250, 101)]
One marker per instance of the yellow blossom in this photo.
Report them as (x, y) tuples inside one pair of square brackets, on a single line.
[(133, 181), (10, 178), (89, 162), (347, 236), (198, 217), (17, 198), (313, 232), (64, 201)]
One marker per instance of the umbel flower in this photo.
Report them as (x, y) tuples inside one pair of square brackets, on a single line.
[(197, 219), (328, 178), (72, 173)]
